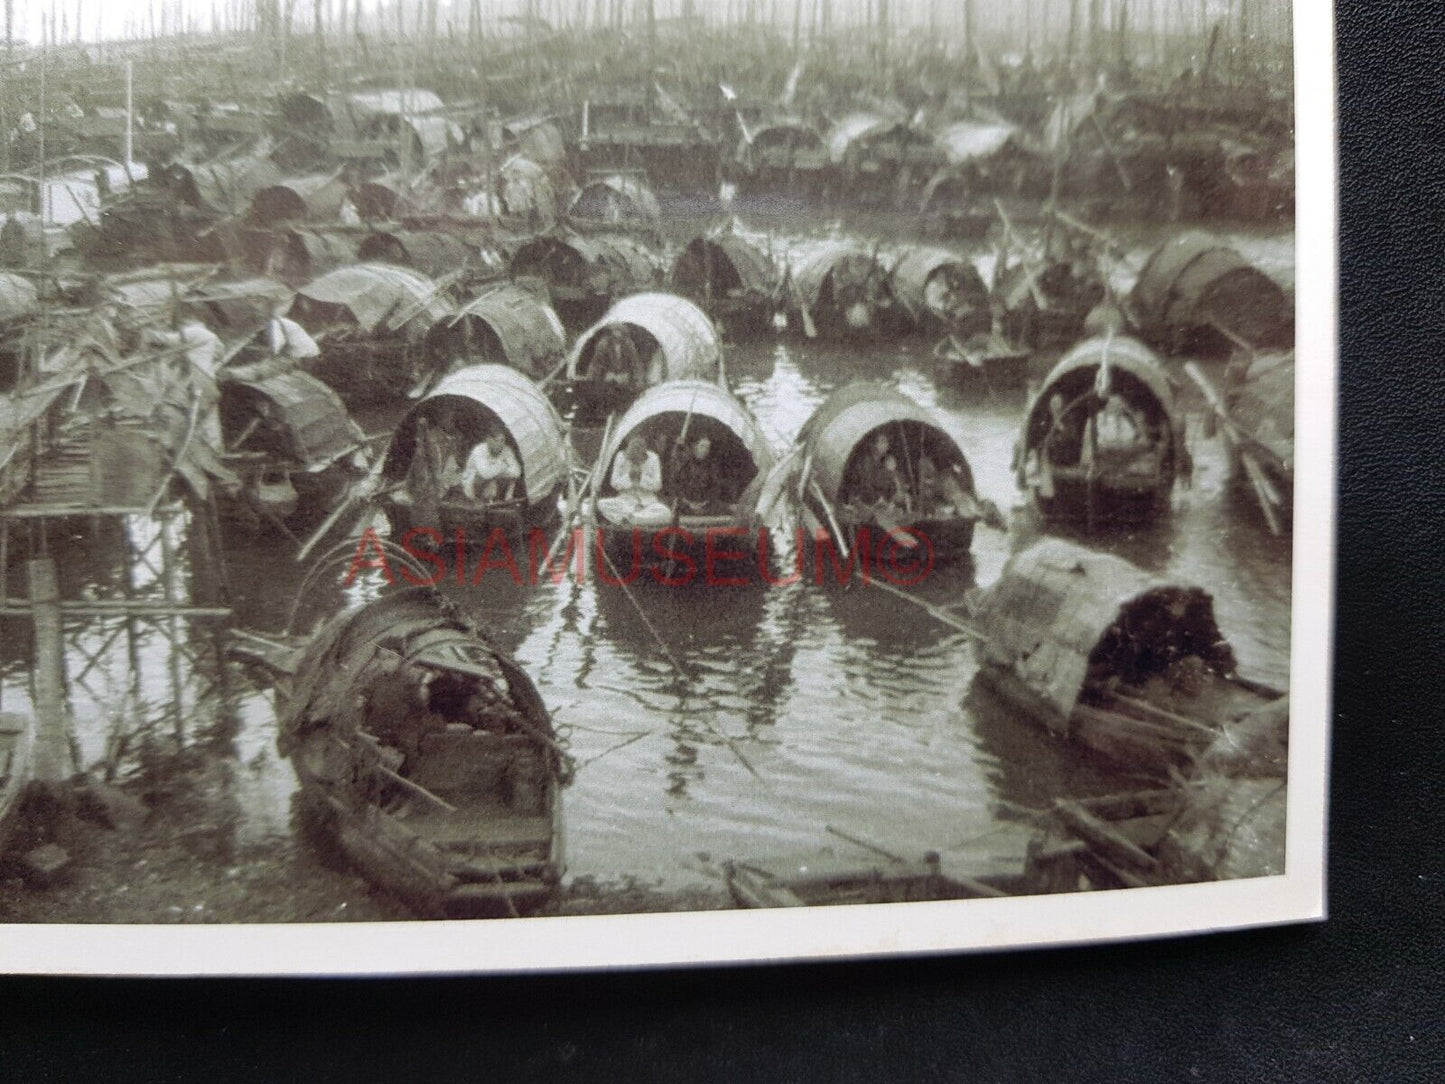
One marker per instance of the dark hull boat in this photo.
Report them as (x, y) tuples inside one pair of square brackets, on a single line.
[(935, 507), (730, 279), (427, 757), (1108, 657), (1260, 402), (838, 290), (821, 880), (372, 322), (1198, 295), (1102, 443), (584, 273), (642, 341), (686, 536), (420, 474), (291, 442)]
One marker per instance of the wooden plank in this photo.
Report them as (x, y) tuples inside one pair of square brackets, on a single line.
[(1103, 837)]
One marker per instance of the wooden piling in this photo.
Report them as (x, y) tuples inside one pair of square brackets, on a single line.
[(53, 758)]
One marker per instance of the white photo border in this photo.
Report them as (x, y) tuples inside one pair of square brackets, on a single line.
[(813, 933)]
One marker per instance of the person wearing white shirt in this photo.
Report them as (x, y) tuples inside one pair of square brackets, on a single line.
[(637, 471), (637, 480), (491, 472)]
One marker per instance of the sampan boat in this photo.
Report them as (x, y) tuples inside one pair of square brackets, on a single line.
[(1102, 442), (671, 418), (291, 442), (643, 340), (1112, 658), (426, 756), (732, 279), (838, 289), (433, 440), (936, 505)]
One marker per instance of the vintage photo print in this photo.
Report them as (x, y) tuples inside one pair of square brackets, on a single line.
[(542, 484)]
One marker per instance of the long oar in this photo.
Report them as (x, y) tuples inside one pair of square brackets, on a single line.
[(575, 506), (1269, 498)]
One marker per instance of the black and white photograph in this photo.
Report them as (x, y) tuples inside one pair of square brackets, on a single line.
[(657, 481)]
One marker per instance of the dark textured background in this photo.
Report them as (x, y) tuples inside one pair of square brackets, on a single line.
[(1358, 998)]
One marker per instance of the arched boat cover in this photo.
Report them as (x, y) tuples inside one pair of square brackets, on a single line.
[(622, 189), (244, 305), (1262, 404), (316, 198), (517, 403), (538, 138), (701, 398), (318, 428), (756, 273), (398, 624), (1055, 602), (525, 188), (18, 297), (687, 338), (428, 251), (969, 141), (376, 295), (822, 260), (797, 135), (851, 129), (844, 421), (1194, 280), (226, 188), (306, 111), (1124, 354), (403, 102), (380, 197), (622, 262), (305, 255), (531, 335), (911, 274)]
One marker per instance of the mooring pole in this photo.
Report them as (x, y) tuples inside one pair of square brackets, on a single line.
[(129, 119), (53, 760)]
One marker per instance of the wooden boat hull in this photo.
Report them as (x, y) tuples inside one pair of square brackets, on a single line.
[(431, 881), (1115, 502), (475, 523), (1005, 372), (948, 541), (701, 551), (1125, 738), (426, 757)]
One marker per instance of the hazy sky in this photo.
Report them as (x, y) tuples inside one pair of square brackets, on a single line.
[(118, 18)]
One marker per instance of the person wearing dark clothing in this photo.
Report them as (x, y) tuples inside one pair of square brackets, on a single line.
[(693, 478), (876, 480)]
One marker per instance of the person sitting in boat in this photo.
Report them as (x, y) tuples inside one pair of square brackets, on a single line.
[(637, 472), (636, 480), (876, 482), (1116, 426), (492, 471), (694, 481), (397, 711), (617, 361), (943, 495)]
